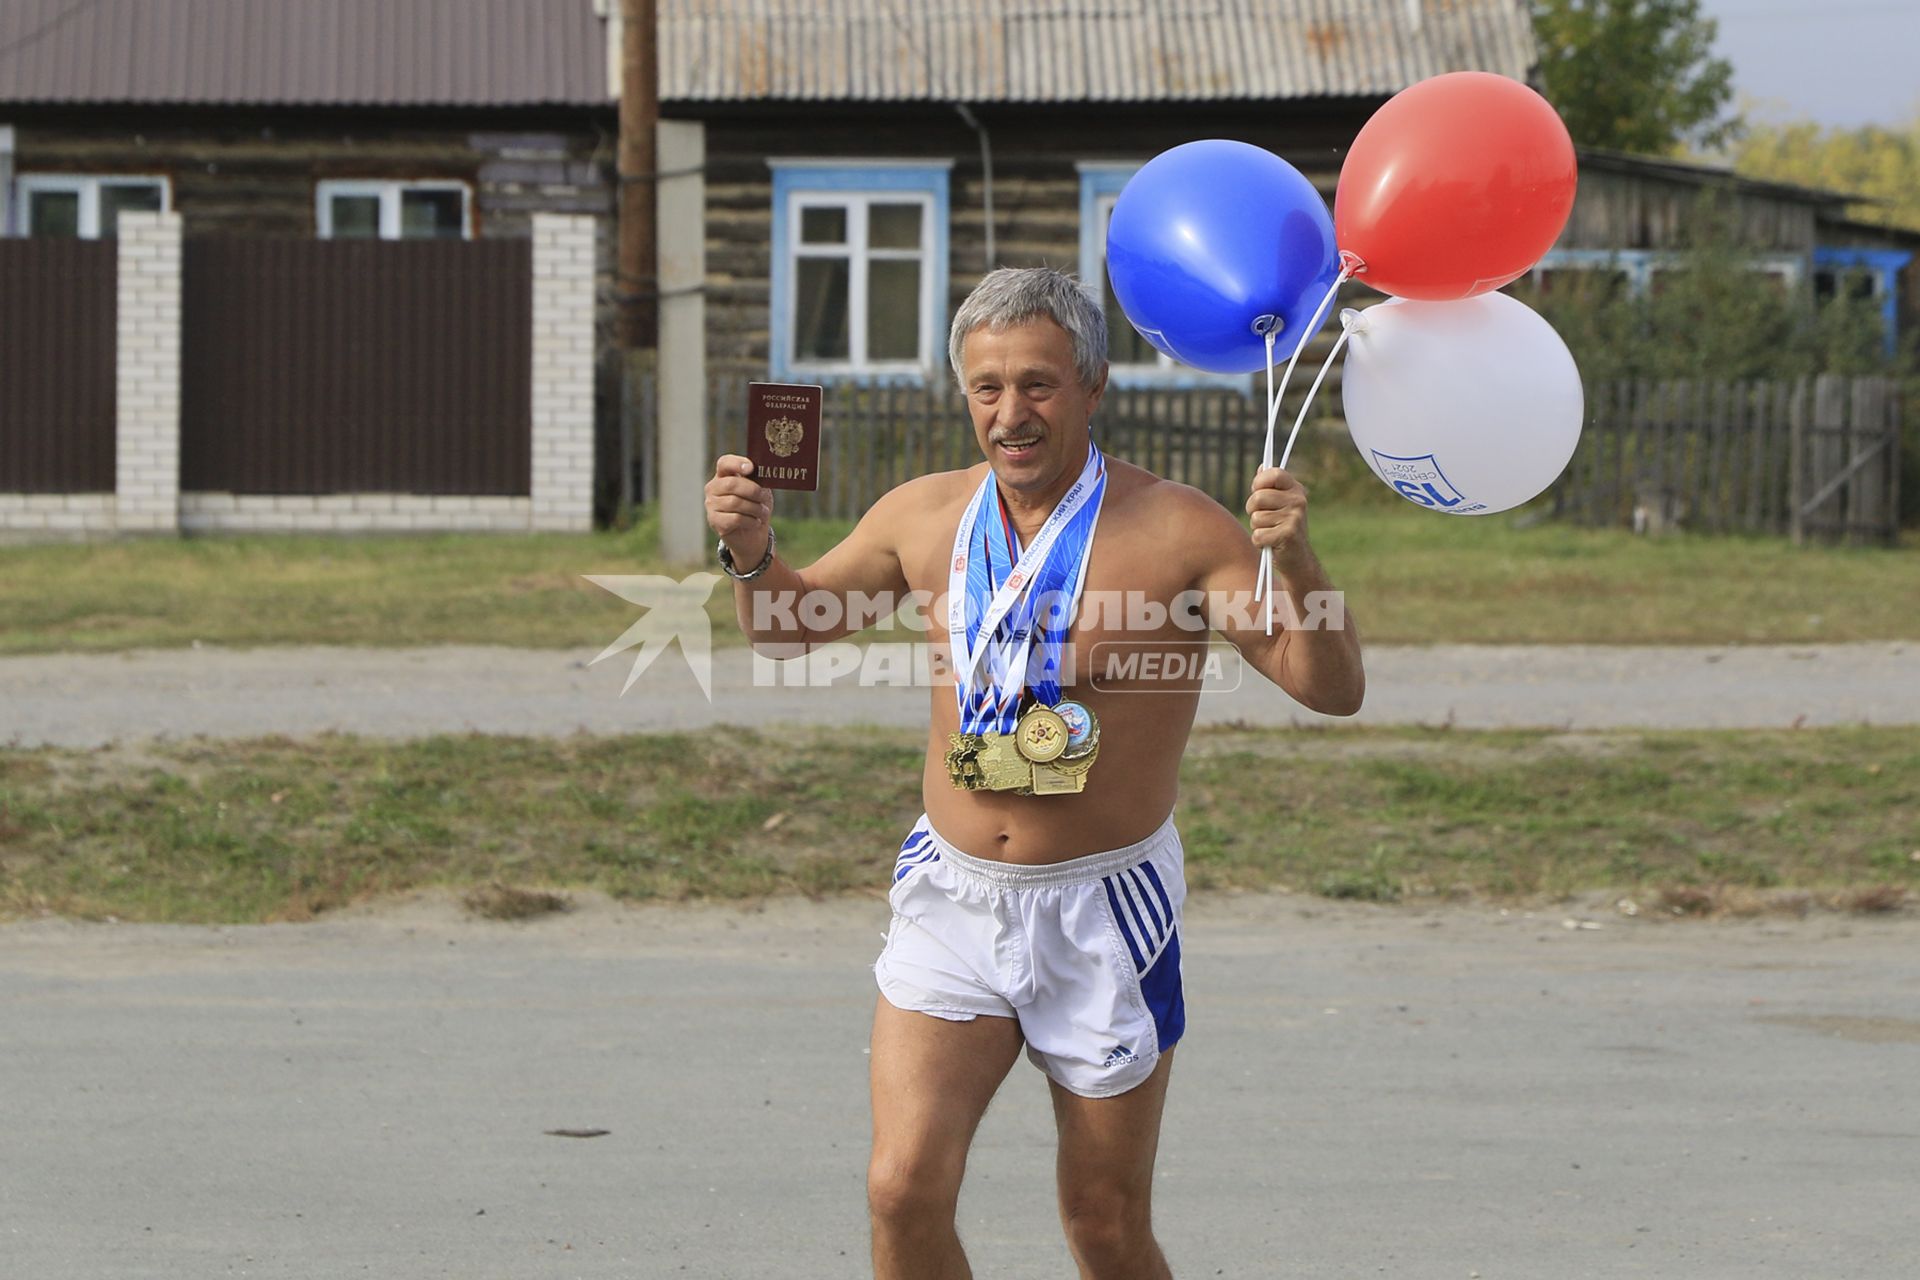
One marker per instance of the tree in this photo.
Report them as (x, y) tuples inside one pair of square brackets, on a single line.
[(1879, 164), (1634, 75), (1710, 314)]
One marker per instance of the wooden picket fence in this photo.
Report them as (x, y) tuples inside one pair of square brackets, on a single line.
[(875, 438), (1816, 458)]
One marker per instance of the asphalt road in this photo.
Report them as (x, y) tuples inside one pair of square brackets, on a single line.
[(84, 700), (1447, 1093), (1362, 1091)]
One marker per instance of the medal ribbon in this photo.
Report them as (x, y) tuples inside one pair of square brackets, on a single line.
[(991, 570)]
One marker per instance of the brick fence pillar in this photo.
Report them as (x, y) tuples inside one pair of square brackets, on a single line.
[(563, 268), (147, 375)]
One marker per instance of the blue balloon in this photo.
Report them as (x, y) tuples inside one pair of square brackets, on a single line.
[(1214, 242)]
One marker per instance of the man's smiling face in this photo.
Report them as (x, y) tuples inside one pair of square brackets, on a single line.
[(1029, 411)]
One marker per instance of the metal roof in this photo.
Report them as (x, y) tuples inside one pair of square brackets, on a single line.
[(1687, 171), (304, 52), (521, 52), (1079, 50)]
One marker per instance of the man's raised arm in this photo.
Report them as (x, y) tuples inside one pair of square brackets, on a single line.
[(784, 611), (1315, 655)]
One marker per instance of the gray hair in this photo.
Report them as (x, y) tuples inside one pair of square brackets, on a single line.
[(1015, 295)]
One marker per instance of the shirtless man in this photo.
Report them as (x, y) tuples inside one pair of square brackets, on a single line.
[(1023, 917)]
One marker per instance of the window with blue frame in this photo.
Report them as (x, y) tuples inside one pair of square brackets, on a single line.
[(1131, 359), (859, 269), (1864, 273), (1859, 273), (1100, 186)]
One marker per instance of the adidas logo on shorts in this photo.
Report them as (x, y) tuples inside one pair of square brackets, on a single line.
[(1120, 1056)]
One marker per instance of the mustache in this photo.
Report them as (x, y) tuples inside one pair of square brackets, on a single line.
[(1021, 433)]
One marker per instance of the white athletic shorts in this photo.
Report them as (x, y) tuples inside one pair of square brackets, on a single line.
[(1085, 953)]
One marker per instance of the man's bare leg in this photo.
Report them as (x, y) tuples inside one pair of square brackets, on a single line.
[(1107, 1148), (932, 1080)]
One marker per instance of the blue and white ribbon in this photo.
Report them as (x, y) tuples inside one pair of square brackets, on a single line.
[(995, 588)]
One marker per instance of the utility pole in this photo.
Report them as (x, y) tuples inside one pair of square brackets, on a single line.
[(637, 285), (662, 324)]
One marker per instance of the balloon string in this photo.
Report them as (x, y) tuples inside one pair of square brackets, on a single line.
[(1273, 403), (1346, 331), (1273, 413), (1263, 582), (1312, 391), (1312, 327)]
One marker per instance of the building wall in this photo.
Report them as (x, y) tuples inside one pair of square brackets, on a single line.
[(1615, 210), (1036, 188), (249, 172), (253, 172), (149, 498)]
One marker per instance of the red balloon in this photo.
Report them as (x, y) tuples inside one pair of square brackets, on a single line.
[(1458, 185)]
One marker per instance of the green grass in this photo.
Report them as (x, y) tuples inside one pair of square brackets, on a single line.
[(278, 590), (1414, 579), (278, 829), (1410, 578)]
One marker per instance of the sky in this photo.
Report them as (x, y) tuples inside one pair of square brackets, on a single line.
[(1838, 62)]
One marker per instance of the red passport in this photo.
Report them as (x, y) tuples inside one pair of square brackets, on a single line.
[(783, 434)]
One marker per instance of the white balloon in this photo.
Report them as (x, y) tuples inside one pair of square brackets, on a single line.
[(1466, 407)]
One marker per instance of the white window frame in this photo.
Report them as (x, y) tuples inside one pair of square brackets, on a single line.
[(855, 186), (87, 187), (388, 192), (1640, 265), (859, 254), (1787, 270), (6, 179)]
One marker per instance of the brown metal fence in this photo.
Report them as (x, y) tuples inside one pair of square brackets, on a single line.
[(57, 314), (319, 366)]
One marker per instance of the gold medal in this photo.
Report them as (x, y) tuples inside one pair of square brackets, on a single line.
[(1049, 780), (1001, 766), (963, 760), (1049, 753), (987, 762), (1041, 735), (1073, 766)]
